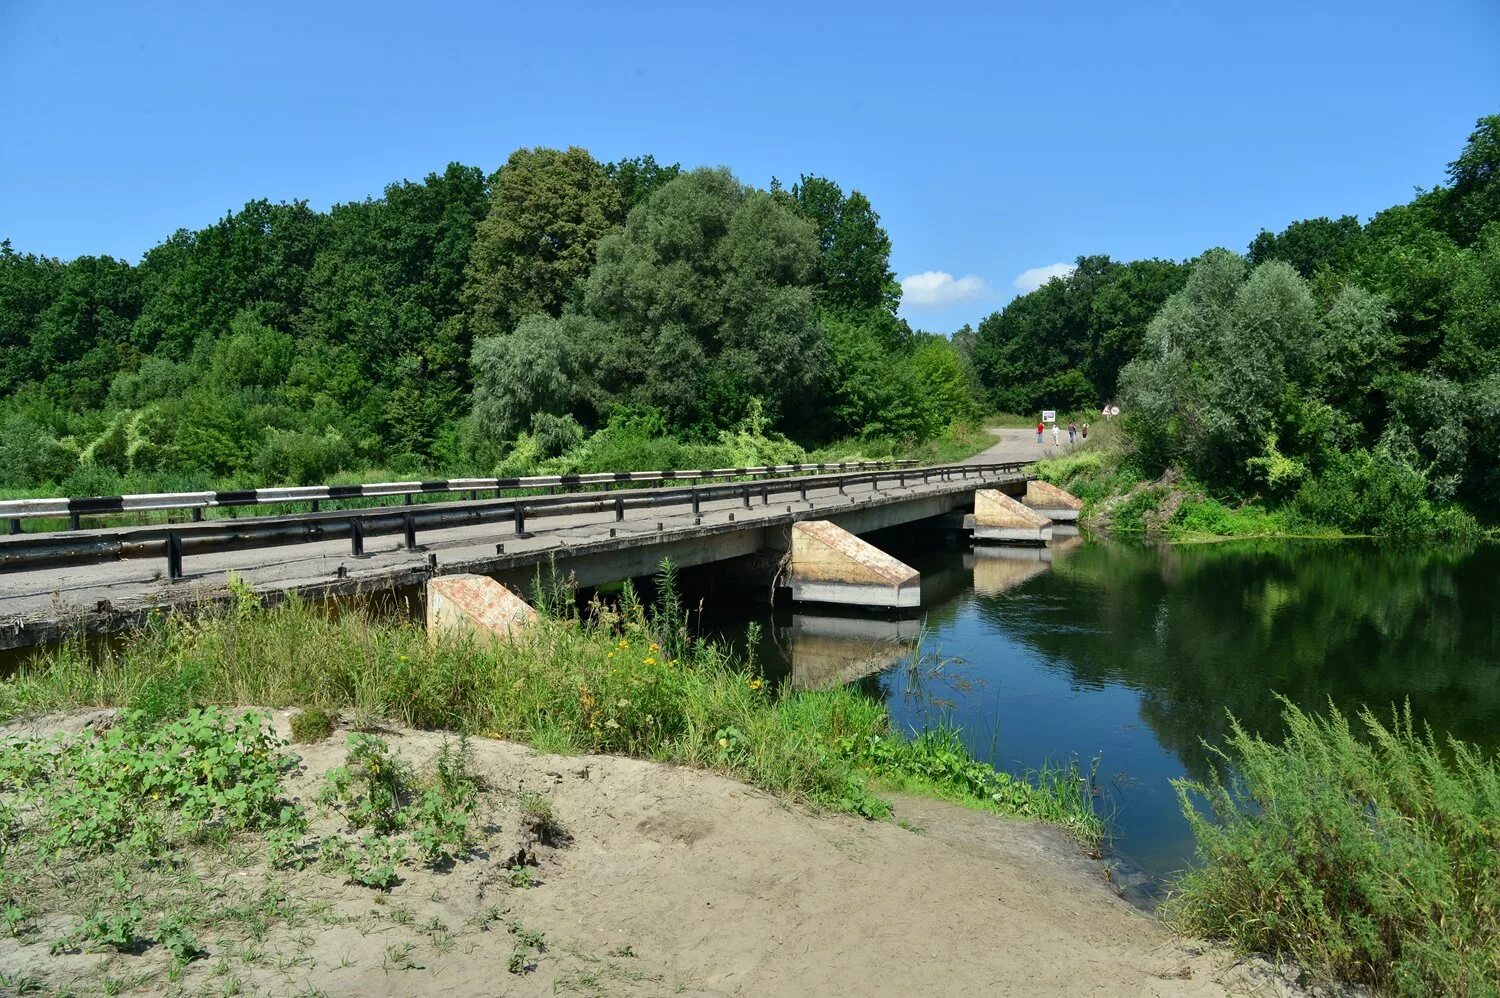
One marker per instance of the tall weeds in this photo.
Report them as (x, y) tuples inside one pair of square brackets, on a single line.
[(1373, 859)]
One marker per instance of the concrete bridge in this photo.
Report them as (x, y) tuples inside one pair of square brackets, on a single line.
[(806, 529)]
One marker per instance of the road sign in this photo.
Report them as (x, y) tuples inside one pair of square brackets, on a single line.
[(1049, 415)]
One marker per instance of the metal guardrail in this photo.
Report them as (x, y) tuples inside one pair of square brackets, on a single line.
[(44, 551), (16, 510)]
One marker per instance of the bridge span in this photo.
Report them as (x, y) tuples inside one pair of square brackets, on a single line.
[(107, 580)]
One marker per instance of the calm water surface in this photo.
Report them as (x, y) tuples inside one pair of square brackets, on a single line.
[(1133, 654)]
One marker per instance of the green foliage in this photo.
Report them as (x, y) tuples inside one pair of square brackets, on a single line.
[(142, 785), (704, 301), (938, 761), (531, 254), (378, 793), (1062, 346), (1372, 859)]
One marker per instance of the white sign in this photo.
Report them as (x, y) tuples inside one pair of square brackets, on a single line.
[(1049, 415), (1114, 410)]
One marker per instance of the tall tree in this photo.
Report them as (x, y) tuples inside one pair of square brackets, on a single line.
[(640, 177), (854, 269), (706, 297), (1310, 244), (1473, 198), (532, 252)]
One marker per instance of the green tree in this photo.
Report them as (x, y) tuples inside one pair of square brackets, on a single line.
[(1310, 244), (705, 302), (1473, 198), (543, 367), (854, 272), (639, 177), (533, 251)]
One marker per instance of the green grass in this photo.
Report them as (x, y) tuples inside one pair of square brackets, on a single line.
[(1371, 857), (627, 680)]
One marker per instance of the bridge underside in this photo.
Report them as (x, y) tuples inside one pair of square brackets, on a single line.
[(44, 606)]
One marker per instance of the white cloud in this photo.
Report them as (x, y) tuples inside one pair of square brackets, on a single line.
[(1030, 280), (936, 288)]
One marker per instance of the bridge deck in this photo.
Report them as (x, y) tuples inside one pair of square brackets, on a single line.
[(43, 605)]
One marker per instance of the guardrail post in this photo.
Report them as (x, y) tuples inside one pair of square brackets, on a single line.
[(746, 496), (802, 488), (619, 508), (407, 499), (765, 495), (197, 514), (520, 520), (174, 555), (72, 521), (696, 509), (409, 528), (356, 536), (314, 505), (15, 525)]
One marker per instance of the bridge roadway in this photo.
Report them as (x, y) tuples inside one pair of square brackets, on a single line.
[(46, 604)]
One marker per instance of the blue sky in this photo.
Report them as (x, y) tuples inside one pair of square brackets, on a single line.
[(994, 139)]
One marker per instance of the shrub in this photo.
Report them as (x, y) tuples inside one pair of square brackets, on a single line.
[(312, 724), (1372, 859)]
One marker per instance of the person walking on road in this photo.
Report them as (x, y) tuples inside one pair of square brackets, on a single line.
[(1040, 427), (1055, 435), (1072, 432)]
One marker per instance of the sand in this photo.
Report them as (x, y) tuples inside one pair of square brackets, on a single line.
[(678, 881)]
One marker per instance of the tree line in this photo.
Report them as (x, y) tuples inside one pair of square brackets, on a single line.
[(1353, 369), (468, 322)]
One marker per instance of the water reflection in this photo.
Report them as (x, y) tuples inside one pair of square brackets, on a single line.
[(1136, 654), (830, 650), (1201, 630)]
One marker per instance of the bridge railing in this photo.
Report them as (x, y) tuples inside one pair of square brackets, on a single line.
[(15, 511), (36, 552)]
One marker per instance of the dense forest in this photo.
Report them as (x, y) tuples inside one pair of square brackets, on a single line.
[(593, 314), (571, 314), (1349, 370)]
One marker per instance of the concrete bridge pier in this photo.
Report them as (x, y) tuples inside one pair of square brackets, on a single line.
[(477, 607), (827, 564), (998, 517), (1052, 502)]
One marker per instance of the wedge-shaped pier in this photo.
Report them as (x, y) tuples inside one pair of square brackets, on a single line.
[(475, 606), (998, 517), (1052, 502), (831, 565)]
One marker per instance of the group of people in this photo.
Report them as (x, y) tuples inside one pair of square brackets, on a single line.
[(1073, 430)]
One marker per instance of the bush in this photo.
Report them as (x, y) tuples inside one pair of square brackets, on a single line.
[(1372, 492), (312, 724), (1372, 859)]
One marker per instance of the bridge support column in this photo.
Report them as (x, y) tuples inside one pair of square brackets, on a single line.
[(831, 565), (998, 517), (475, 606), (1052, 502)]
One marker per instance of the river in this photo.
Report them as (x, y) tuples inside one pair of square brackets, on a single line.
[(1133, 654)]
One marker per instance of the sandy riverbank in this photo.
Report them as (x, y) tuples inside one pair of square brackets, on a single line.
[(681, 882)]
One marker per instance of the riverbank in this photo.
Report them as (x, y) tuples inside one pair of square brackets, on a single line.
[(596, 874), (1120, 498)]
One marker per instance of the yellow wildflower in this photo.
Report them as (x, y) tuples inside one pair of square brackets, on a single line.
[(723, 743)]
